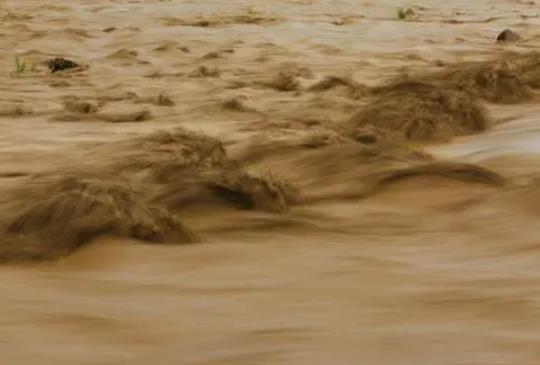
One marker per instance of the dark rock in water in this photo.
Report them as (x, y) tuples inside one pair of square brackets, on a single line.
[(366, 139), (365, 136), (508, 35), (60, 64), (439, 63)]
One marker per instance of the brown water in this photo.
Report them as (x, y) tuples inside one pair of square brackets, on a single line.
[(420, 249)]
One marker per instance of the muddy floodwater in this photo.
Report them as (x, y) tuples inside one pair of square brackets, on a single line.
[(294, 182)]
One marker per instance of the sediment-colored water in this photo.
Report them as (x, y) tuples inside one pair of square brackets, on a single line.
[(269, 182)]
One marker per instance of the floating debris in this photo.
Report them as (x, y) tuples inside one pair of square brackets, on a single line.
[(60, 64)]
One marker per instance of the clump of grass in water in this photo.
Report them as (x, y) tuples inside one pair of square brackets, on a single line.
[(403, 14), (20, 66)]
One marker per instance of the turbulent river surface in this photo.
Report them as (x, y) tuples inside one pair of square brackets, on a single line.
[(270, 182)]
